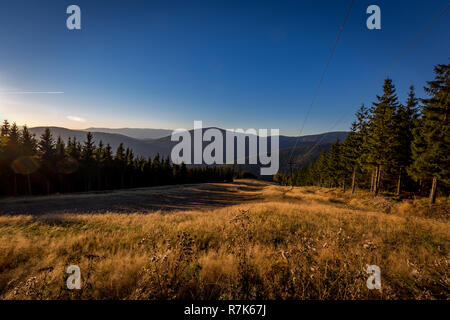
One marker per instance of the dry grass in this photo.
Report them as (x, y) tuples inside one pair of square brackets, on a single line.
[(304, 243)]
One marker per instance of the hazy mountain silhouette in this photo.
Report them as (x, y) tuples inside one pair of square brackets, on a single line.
[(139, 147), (137, 133), (163, 146)]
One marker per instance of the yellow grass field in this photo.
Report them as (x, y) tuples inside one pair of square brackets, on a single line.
[(275, 243)]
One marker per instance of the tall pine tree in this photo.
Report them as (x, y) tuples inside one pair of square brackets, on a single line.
[(431, 144), (381, 132), (404, 124)]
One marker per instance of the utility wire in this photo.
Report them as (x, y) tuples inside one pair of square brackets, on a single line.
[(316, 91), (382, 75)]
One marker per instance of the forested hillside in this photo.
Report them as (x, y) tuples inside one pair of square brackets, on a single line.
[(42, 166), (393, 146)]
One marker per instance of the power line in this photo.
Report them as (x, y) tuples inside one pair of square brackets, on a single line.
[(382, 75), (316, 91)]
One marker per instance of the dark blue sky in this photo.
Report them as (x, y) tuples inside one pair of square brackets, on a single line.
[(233, 64)]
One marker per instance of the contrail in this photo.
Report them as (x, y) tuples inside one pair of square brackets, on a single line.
[(32, 92)]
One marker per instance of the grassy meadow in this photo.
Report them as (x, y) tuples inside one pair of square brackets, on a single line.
[(300, 243)]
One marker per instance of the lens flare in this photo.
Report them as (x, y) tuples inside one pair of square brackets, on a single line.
[(25, 165)]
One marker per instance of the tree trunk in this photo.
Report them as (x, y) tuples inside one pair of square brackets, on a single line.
[(399, 183), (376, 181), (372, 178), (433, 191), (343, 184), (354, 180)]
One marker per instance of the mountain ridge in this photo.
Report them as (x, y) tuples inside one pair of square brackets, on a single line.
[(163, 146)]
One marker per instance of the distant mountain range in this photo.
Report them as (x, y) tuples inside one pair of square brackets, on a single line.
[(150, 147), (137, 133)]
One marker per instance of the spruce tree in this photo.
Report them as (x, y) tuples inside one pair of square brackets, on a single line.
[(320, 168), (47, 151), (108, 163), (62, 163), (28, 142), (353, 146), (87, 158), (74, 149), (28, 146), (5, 128), (431, 144), (404, 123), (99, 154), (12, 152), (120, 163), (60, 149), (381, 132)]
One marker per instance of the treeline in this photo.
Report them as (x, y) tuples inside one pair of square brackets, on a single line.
[(31, 166), (392, 147)]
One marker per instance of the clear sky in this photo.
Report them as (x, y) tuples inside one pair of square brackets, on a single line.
[(232, 64)]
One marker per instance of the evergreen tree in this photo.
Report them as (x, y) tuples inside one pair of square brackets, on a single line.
[(87, 158), (87, 153), (47, 151), (5, 128), (381, 132), (353, 146), (28, 146), (334, 165), (120, 163), (13, 152), (62, 163), (99, 154), (404, 124), (320, 168), (60, 148), (431, 144), (108, 164), (28, 142)]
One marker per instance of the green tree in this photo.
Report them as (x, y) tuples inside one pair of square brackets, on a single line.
[(353, 146), (47, 152), (28, 146), (381, 132), (335, 170), (404, 124), (28, 142), (120, 163), (431, 144), (320, 168), (5, 128), (88, 161)]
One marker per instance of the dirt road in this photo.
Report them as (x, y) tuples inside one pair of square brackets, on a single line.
[(178, 197)]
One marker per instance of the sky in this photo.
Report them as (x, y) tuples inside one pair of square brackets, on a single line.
[(231, 64)]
